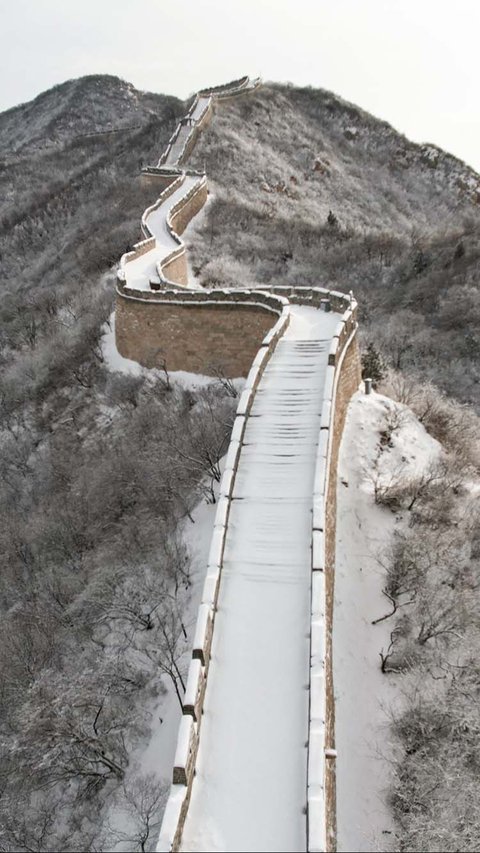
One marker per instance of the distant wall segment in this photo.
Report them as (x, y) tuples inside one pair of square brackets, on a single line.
[(165, 262)]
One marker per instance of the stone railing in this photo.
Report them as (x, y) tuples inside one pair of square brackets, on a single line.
[(242, 297), (321, 745), (191, 329), (138, 250), (190, 725)]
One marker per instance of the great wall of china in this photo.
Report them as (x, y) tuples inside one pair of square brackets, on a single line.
[(272, 556)]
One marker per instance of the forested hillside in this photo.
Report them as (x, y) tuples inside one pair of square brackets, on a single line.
[(309, 189)]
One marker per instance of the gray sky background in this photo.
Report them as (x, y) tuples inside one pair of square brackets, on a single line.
[(414, 63)]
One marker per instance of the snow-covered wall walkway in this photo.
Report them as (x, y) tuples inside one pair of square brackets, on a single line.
[(261, 776), (253, 754), (251, 778)]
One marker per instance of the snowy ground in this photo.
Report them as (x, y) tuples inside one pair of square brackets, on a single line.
[(156, 753), (249, 792), (363, 695)]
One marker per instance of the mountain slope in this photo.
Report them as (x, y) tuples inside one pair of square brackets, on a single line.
[(92, 104), (310, 189), (92, 490)]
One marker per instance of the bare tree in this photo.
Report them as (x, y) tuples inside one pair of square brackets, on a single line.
[(142, 801)]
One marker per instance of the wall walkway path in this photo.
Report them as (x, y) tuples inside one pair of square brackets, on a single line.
[(250, 787)]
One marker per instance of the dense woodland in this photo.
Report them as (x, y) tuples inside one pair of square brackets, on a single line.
[(99, 469)]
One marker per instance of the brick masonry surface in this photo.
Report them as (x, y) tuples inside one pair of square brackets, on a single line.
[(192, 338), (350, 376)]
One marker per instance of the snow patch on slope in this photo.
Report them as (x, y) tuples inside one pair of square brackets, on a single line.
[(363, 694), (156, 751)]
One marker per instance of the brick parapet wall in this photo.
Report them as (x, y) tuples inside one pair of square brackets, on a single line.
[(349, 381), (194, 329), (139, 249), (174, 269), (188, 207), (343, 377), (155, 178)]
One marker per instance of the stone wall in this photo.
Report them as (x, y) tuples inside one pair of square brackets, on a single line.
[(175, 269), (191, 337), (348, 382), (172, 269), (198, 331), (187, 208), (341, 379)]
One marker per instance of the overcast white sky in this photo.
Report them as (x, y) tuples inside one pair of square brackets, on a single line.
[(414, 63)]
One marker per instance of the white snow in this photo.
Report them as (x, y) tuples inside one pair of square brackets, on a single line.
[(111, 356), (200, 107), (249, 791), (363, 694), (156, 220), (157, 753), (185, 130)]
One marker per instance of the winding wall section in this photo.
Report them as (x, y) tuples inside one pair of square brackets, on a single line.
[(159, 260), (269, 587)]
